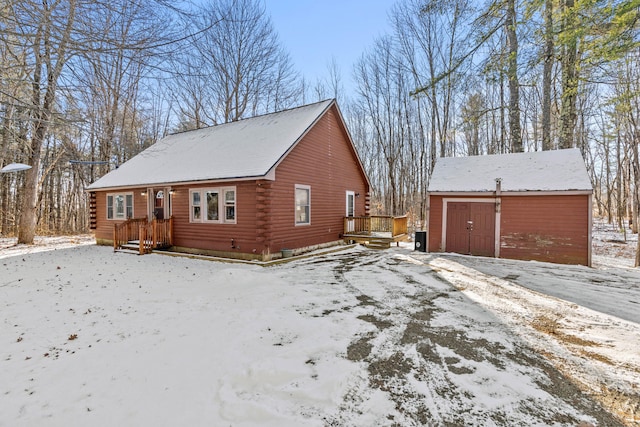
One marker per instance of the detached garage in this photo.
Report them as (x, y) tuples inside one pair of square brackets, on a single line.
[(528, 206)]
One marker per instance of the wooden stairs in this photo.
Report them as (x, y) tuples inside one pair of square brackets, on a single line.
[(141, 236), (378, 243), (131, 247)]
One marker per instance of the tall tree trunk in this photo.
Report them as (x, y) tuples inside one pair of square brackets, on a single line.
[(45, 62), (546, 75), (503, 126), (636, 196), (569, 75), (514, 84)]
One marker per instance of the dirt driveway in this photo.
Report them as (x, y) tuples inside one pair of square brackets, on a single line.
[(442, 358)]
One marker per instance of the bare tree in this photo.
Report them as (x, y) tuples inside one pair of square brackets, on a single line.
[(434, 39), (471, 115), (234, 65), (547, 74), (45, 32), (64, 53), (115, 62), (512, 73)]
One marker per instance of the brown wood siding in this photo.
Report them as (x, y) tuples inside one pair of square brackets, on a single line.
[(434, 228), (323, 160), (104, 226), (546, 228), (265, 223), (457, 233), (549, 228), (227, 237), (471, 228)]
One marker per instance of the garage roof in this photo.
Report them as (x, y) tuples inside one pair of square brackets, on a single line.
[(556, 170)]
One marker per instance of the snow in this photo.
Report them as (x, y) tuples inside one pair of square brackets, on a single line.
[(241, 149), (556, 170), (356, 337)]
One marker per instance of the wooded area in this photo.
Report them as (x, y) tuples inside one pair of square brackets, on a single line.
[(97, 82)]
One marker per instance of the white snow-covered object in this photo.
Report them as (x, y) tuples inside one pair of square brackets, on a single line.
[(14, 167), (556, 170)]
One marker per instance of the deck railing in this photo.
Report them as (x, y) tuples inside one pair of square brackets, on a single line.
[(145, 241), (127, 231), (150, 235), (366, 225), (162, 232), (399, 226)]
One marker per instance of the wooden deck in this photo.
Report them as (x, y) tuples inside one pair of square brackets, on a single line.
[(376, 231), (143, 236)]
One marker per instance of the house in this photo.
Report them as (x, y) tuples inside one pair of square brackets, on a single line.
[(527, 206), (247, 189)]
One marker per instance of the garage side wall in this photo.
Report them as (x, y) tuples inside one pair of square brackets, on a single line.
[(546, 228), (434, 230)]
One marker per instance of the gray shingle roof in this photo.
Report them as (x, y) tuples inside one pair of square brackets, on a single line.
[(556, 170), (243, 149)]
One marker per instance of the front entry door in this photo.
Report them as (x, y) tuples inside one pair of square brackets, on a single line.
[(350, 212), (471, 228), (159, 203)]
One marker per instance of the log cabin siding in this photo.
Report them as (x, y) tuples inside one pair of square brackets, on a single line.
[(546, 228), (222, 237), (104, 226), (325, 161)]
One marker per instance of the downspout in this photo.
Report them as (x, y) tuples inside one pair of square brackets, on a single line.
[(498, 216)]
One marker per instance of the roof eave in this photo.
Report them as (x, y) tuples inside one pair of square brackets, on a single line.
[(511, 192), (270, 176)]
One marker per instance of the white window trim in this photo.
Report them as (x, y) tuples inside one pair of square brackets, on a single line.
[(353, 195), (113, 196), (226, 204), (222, 204), (295, 205)]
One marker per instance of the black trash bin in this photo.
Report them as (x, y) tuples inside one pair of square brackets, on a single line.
[(420, 243)]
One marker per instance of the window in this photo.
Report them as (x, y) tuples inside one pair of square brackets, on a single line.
[(120, 206), (230, 205), (212, 205), (195, 206), (216, 205), (303, 204)]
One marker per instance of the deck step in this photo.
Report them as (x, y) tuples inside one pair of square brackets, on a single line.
[(129, 248), (132, 247), (378, 244)]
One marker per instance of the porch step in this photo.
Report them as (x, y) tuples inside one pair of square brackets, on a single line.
[(129, 248), (132, 247), (378, 243)]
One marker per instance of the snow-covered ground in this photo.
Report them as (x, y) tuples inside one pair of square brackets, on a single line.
[(354, 338)]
